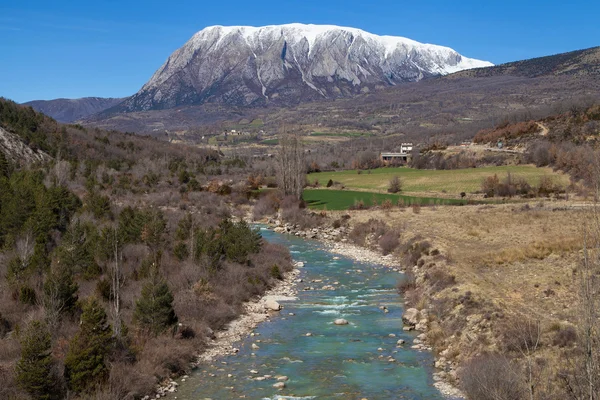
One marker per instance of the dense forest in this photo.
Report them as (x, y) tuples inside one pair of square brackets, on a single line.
[(118, 259)]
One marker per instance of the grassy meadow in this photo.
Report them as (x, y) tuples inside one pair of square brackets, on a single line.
[(452, 182), (343, 199)]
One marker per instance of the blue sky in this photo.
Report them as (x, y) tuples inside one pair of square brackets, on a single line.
[(52, 49)]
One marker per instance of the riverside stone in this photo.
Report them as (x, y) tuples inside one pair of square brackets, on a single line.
[(272, 305), (340, 321), (411, 316)]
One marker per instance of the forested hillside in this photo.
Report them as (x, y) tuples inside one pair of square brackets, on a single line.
[(118, 259)]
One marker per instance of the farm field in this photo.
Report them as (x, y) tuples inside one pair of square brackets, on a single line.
[(342, 134), (343, 199), (452, 182)]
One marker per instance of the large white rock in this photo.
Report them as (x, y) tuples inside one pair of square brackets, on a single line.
[(340, 321), (272, 305), (411, 316)]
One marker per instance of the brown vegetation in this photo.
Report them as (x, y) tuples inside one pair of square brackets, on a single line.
[(498, 285), (112, 217)]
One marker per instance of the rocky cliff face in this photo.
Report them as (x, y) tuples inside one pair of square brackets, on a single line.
[(288, 64), (18, 152)]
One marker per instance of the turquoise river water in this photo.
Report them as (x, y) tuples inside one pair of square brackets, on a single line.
[(354, 361)]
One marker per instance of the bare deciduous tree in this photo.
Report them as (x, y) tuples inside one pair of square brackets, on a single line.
[(589, 302), (292, 167), (61, 172), (116, 280), (24, 247), (525, 336)]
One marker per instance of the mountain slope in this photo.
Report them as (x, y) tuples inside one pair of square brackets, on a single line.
[(584, 62), (69, 110), (18, 152), (288, 64), (465, 101)]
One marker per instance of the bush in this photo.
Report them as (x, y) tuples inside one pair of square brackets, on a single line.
[(389, 241), (27, 295), (358, 205), (4, 326), (492, 377), (440, 279), (266, 205), (180, 251), (395, 185), (407, 283), (373, 227), (103, 289), (565, 336), (489, 186), (276, 272), (387, 204)]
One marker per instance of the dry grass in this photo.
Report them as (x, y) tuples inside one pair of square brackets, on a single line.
[(491, 267), (520, 257), (537, 250)]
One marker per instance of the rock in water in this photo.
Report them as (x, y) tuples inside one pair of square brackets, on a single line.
[(340, 321), (279, 385), (272, 305)]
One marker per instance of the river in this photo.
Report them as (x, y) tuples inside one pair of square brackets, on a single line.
[(360, 360)]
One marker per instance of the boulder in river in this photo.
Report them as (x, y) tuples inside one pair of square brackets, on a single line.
[(272, 305), (279, 385), (340, 321)]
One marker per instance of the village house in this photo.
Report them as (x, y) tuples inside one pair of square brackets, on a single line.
[(390, 158)]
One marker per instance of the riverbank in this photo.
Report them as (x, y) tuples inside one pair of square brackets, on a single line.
[(336, 241), (366, 354), (257, 311), (478, 277)]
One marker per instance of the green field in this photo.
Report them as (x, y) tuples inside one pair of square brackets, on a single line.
[(342, 134), (343, 199), (452, 182)]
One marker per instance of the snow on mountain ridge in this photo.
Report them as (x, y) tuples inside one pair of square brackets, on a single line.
[(244, 64)]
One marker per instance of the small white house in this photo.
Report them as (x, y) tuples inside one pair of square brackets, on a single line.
[(406, 147)]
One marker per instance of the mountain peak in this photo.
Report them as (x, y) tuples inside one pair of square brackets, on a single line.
[(245, 65)]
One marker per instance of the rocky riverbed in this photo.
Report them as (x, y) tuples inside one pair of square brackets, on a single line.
[(341, 334), (336, 240)]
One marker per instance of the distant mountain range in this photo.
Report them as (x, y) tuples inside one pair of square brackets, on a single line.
[(274, 65), (289, 64), (330, 76), (70, 110)]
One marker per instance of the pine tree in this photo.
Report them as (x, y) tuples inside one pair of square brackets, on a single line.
[(35, 370), (60, 293), (4, 166), (154, 309), (85, 365)]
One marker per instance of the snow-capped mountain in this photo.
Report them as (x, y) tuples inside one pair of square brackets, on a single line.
[(286, 64)]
